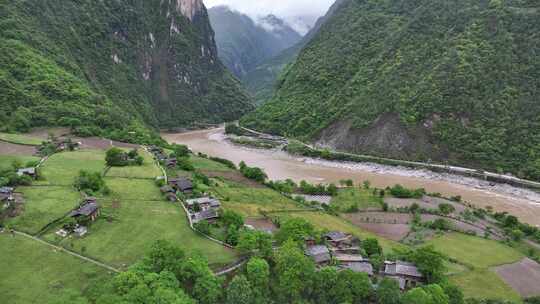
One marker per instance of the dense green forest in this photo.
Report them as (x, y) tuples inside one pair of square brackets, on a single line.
[(112, 68), (463, 76)]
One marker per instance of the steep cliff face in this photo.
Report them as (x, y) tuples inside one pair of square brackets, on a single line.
[(145, 63), (454, 81)]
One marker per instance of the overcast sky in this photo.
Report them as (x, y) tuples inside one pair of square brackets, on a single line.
[(286, 9)]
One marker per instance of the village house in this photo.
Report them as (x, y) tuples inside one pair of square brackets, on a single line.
[(359, 266), (171, 163), (204, 203), (181, 184), (89, 209), (208, 215), (319, 254), (337, 238), (27, 171), (204, 208), (405, 273)]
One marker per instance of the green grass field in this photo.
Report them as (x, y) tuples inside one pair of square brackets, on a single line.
[(347, 198), (136, 226), (207, 164), (479, 255), (7, 160), (249, 201), (62, 168), (147, 170), (133, 189), (42, 206), (21, 139), (34, 273), (475, 252), (484, 284)]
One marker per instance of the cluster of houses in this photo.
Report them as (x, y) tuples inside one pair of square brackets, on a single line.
[(343, 249), (87, 212), (161, 156), (201, 208)]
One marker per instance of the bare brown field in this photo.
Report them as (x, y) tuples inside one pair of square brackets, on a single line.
[(44, 133), (523, 276), (13, 149), (394, 232), (393, 226), (261, 224)]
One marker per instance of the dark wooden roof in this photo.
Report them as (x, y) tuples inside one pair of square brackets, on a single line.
[(85, 210)]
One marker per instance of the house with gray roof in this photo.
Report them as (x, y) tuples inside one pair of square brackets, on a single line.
[(205, 215), (89, 210), (205, 203), (181, 184), (319, 253), (358, 266), (407, 274)]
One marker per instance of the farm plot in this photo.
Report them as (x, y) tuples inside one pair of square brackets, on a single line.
[(147, 170), (234, 177), (22, 139), (478, 255), (42, 206), (7, 160), (328, 222), (457, 225), (356, 199), (127, 229), (209, 165), (393, 226), (523, 276), (426, 202), (35, 273), (15, 149), (62, 168), (261, 224), (251, 201)]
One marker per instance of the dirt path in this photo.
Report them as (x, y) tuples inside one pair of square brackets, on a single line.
[(87, 259)]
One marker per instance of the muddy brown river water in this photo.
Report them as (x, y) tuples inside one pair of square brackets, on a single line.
[(279, 165)]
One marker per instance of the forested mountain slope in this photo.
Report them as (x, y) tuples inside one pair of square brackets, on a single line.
[(112, 67), (444, 80), (261, 80), (244, 43)]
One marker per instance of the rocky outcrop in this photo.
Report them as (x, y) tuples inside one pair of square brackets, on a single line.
[(189, 8), (386, 136)]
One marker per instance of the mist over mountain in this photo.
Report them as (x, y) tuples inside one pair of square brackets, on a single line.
[(243, 42)]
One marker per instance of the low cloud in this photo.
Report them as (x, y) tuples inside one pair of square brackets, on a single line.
[(297, 12)]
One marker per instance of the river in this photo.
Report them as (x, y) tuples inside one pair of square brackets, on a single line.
[(279, 165)]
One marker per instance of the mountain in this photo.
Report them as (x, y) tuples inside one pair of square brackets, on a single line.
[(112, 66), (450, 81), (243, 43), (261, 80)]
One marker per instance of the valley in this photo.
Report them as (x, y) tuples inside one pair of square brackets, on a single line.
[(279, 165)]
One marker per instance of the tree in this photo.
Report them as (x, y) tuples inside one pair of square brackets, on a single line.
[(454, 293), (239, 291), (371, 246), (332, 190), (436, 294), (232, 236), (295, 229), (416, 296), (254, 242), (294, 272), (230, 218), (180, 151), (89, 181), (354, 287), (446, 208), (164, 256), (430, 263), (116, 158), (258, 273), (388, 292)]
